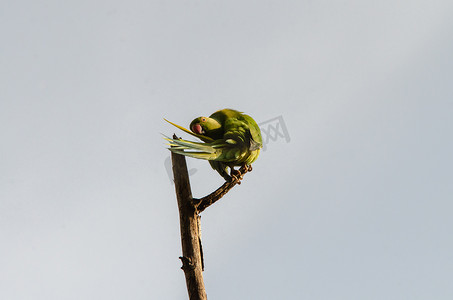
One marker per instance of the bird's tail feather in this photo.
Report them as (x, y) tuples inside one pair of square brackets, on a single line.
[(207, 151), (201, 137)]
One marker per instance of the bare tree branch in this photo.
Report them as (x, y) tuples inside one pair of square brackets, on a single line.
[(203, 203), (190, 241), (189, 220)]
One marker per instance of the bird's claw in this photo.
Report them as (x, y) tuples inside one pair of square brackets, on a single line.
[(236, 175)]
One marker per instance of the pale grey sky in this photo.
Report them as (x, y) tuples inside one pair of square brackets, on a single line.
[(357, 205)]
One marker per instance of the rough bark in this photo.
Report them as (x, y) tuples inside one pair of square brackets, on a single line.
[(190, 235), (189, 219)]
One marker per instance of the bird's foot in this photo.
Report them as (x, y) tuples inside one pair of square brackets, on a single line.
[(245, 168), (236, 175)]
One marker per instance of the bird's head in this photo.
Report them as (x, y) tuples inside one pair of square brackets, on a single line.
[(204, 126)]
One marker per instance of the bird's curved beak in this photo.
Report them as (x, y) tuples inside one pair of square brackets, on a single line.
[(196, 128)]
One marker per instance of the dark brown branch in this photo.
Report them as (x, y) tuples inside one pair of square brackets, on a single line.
[(190, 241), (203, 203), (189, 208)]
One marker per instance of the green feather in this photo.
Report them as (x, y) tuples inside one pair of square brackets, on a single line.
[(231, 138)]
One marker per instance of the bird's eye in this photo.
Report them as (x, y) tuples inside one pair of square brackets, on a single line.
[(203, 119)]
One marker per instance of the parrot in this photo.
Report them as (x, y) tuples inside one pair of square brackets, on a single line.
[(230, 138)]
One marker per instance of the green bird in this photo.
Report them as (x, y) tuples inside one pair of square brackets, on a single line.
[(231, 138)]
